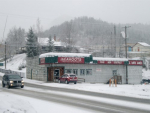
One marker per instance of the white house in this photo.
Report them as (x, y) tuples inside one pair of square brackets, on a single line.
[(141, 47)]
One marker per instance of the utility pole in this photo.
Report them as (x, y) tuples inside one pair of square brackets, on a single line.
[(126, 39), (126, 52), (5, 55), (5, 42)]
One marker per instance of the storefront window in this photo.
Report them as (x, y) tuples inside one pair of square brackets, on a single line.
[(68, 70), (75, 71), (88, 71), (82, 71)]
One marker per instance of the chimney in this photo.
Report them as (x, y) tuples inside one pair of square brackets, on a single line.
[(54, 37)]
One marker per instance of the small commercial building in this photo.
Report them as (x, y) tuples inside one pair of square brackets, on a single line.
[(50, 66)]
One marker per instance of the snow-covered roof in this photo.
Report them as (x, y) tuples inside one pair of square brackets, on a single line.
[(109, 59), (64, 55), (135, 58), (138, 52), (143, 44), (44, 42)]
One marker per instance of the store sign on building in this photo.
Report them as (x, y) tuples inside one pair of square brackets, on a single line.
[(98, 69), (135, 62), (42, 60), (111, 62), (76, 60)]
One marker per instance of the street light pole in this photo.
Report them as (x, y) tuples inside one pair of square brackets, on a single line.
[(126, 52)]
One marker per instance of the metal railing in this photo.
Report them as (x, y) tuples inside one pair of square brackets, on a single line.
[(81, 80), (13, 72)]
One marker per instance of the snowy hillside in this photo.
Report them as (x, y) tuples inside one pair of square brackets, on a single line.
[(15, 62)]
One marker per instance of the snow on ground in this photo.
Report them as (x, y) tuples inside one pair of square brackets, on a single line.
[(15, 62), (145, 74), (98, 99), (11, 103), (139, 91)]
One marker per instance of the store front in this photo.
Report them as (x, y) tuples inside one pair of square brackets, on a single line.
[(50, 66), (54, 73)]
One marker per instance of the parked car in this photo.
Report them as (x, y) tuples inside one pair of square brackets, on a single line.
[(68, 78), (147, 81), (11, 80)]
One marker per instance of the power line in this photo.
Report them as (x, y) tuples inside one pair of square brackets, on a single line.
[(24, 16)]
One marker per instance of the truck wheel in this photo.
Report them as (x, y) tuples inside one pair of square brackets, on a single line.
[(75, 82), (22, 86)]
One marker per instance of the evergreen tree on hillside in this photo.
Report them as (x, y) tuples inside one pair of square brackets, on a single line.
[(31, 45), (50, 45)]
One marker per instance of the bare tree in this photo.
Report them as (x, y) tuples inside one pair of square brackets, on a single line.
[(39, 28), (15, 39)]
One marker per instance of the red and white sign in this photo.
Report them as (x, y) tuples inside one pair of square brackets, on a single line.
[(76, 60), (98, 69), (42, 60), (111, 62), (131, 62), (135, 62)]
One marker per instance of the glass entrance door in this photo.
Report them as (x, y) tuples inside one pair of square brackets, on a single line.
[(56, 74)]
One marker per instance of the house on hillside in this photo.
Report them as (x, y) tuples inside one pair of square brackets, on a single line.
[(58, 45), (140, 49), (130, 46)]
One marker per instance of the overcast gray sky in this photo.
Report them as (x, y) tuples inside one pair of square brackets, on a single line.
[(24, 13)]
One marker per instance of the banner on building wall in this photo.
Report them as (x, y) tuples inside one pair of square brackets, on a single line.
[(131, 62), (98, 69), (111, 62), (136, 62), (42, 60), (76, 60)]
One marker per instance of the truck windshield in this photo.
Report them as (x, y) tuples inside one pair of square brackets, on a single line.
[(14, 77)]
